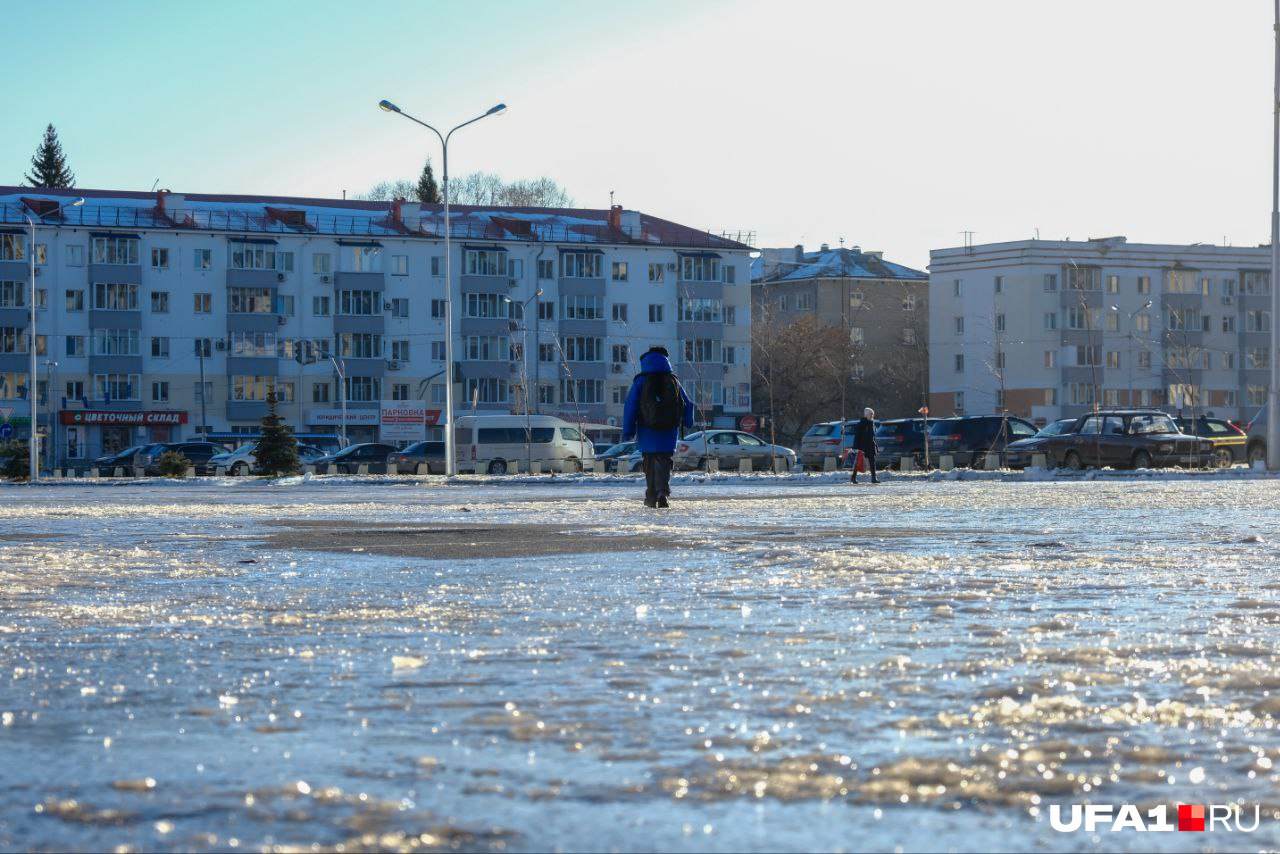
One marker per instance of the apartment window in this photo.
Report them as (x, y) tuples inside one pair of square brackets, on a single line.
[(582, 391), (1206, 286), (117, 386), (729, 274), (484, 262), (319, 392), (583, 348), (1051, 358), (250, 300), (1079, 317), (702, 350), (116, 342), (1256, 395), (400, 350), (909, 302), (254, 344), (160, 302), (1257, 321), (75, 255), (546, 269), (957, 288), (487, 348), (245, 387), (621, 353), (580, 265), (203, 303), (730, 315), (701, 310), (546, 310), (399, 265), (999, 288), (1113, 321), (804, 302), (1257, 358), (400, 307), (1144, 284), (1229, 361), (1080, 394), (1187, 320), (484, 306), (619, 271), (959, 362), (160, 392), (699, 269), (75, 299), (999, 360), (546, 352), (730, 355), (160, 348), (159, 259), (782, 302), (1089, 355), (400, 391), (1084, 278), (114, 250), (583, 307), (284, 305), (204, 392), (113, 296), (856, 336), (619, 312), (360, 345), (321, 263), (999, 323), (13, 339), (361, 259), (959, 323), (320, 306), (1050, 281), (1143, 359), (14, 294), (487, 390), (655, 313), (75, 389), (284, 263), (655, 272), (908, 335), (1113, 284), (251, 256), (75, 345), (1113, 358), (202, 259), (1142, 323), (1205, 324), (437, 351), (204, 347)]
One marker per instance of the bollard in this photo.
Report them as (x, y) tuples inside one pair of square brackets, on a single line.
[(744, 466), (119, 472), (422, 468), (1039, 461), (513, 467), (363, 468), (713, 464), (190, 472), (219, 471), (308, 468), (95, 472), (779, 465), (57, 474), (137, 472), (946, 462), (828, 463), (991, 462), (535, 467), (588, 466), (906, 463)]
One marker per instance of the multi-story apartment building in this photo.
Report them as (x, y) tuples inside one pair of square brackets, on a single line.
[(166, 316), (882, 306), (1046, 329)]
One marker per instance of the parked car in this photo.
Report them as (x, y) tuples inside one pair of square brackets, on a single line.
[(350, 458), (615, 455), (1056, 428), (824, 440), (634, 461), (108, 463), (1256, 449), (406, 460), (1229, 441), (729, 447), (490, 443), (1128, 438), (243, 461), (970, 438), (147, 457), (900, 437)]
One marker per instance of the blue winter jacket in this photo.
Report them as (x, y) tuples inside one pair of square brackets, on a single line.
[(648, 439)]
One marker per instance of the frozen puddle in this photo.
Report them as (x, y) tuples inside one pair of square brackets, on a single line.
[(794, 664)]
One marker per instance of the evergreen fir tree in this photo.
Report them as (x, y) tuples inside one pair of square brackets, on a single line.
[(428, 189), (49, 165), (277, 451)]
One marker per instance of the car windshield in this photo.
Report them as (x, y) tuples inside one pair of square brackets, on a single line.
[(1147, 424), (693, 436), (823, 429), (618, 449), (942, 428)]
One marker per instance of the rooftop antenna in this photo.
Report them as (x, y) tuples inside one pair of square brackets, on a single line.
[(968, 238), (842, 243), (611, 198), (156, 184)]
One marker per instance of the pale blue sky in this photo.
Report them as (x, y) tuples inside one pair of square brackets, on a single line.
[(895, 125)]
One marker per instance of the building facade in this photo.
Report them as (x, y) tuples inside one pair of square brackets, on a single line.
[(883, 307), (162, 317), (1046, 329)]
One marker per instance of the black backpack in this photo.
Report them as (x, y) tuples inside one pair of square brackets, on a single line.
[(661, 407)]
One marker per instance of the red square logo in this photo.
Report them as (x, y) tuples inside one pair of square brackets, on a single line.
[(1190, 816)]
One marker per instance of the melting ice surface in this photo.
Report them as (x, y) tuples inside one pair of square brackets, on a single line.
[(921, 664)]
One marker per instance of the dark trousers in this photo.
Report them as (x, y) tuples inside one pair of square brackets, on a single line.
[(871, 467), (657, 475)]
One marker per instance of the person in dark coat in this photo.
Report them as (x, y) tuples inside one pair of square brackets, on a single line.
[(864, 439), (656, 446)]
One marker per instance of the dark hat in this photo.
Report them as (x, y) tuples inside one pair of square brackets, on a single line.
[(658, 348)]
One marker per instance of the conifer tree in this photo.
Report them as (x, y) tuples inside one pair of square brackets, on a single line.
[(49, 165), (428, 189), (277, 451)]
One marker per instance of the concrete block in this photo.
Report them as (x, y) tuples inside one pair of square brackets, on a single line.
[(991, 462), (219, 471), (906, 463), (119, 472), (422, 468), (589, 466), (94, 472), (744, 466), (946, 462), (363, 468), (190, 472), (713, 464), (779, 465), (1039, 461), (535, 467), (57, 474), (513, 467), (308, 469), (828, 463)]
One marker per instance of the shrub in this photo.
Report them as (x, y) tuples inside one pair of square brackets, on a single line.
[(172, 464), (15, 460), (277, 451)]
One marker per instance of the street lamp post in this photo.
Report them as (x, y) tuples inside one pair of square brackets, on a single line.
[(1273, 398), (33, 446), (1131, 314), (450, 458)]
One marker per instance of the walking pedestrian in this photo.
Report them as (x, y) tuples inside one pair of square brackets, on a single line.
[(864, 439), (656, 408)]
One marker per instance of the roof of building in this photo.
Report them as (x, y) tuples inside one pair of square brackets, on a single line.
[(348, 218), (832, 264)]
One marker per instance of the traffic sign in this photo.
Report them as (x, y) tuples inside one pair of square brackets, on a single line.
[(748, 423), (6, 431), (5, 412)]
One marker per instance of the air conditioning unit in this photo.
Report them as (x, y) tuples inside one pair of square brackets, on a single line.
[(220, 345), (1228, 300), (617, 367), (326, 279), (281, 319), (512, 283), (279, 277), (393, 365), (386, 306)]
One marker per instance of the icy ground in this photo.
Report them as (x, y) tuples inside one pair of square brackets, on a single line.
[(798, 664)]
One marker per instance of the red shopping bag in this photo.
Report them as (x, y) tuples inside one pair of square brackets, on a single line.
[(855, 459), (861, 464)]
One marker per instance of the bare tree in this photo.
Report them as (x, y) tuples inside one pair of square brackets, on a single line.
[(389, 191), (798, 386)]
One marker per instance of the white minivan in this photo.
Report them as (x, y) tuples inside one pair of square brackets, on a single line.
[(496, 444)]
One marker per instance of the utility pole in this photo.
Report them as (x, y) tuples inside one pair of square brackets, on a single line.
[(204, 421), (1273, 399)]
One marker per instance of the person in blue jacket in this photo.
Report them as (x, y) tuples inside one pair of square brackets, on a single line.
[(655, 445)]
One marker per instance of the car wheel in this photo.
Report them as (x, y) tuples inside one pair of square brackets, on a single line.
[(1142, 460), (239, 469), (1257, 454), (1222, 458), (498, 467), (572, 465), (1073, 461)]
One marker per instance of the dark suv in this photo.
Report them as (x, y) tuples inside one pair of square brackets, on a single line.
[(147, 458), (970, 438), (900, 437)]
